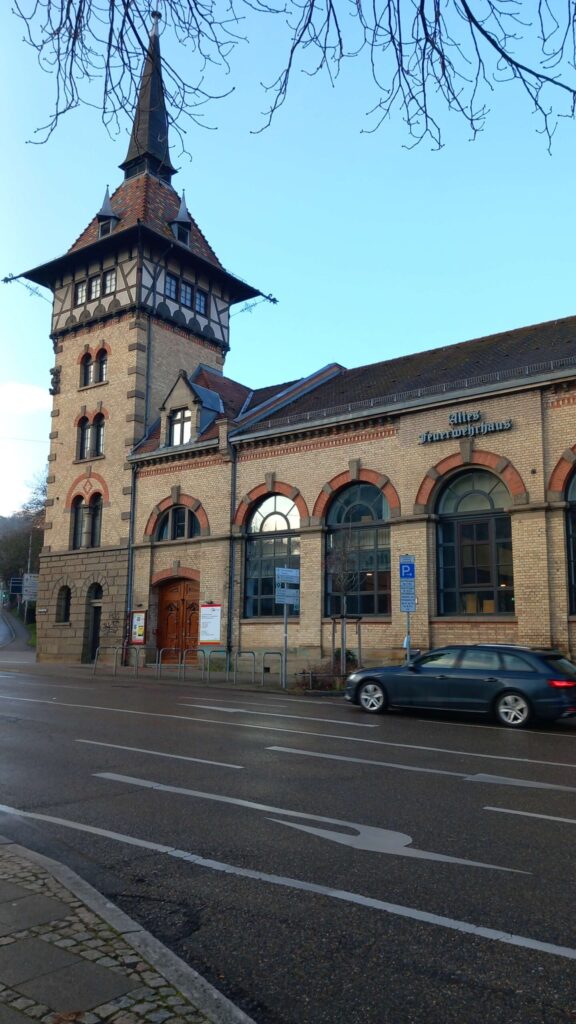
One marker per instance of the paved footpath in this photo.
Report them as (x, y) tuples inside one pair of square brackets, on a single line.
[(69, 956)]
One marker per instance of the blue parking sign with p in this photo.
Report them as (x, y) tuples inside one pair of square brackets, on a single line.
[(407, 567)]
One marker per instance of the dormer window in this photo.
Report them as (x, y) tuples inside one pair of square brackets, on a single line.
[(105, 228), (180, 431), (183, 234)]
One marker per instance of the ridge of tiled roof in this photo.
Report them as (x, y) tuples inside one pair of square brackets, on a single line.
[(507, 352), (150, 201)]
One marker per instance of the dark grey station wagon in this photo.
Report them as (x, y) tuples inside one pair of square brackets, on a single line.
[(515, 684)]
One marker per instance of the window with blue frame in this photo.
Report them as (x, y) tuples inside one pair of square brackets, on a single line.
[(474, 546)]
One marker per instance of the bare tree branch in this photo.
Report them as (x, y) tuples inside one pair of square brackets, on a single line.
[(426, 57)]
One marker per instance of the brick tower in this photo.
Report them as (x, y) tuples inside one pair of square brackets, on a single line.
[(139, 296)]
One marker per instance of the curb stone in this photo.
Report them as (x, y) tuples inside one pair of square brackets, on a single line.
[(207, 999)]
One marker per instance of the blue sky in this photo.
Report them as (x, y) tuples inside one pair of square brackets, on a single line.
[(373, 250)]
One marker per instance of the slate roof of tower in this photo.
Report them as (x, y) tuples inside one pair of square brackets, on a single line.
[(149, 137), (150, 201)]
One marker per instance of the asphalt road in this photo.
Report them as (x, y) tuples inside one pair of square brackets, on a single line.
[(318, 865)]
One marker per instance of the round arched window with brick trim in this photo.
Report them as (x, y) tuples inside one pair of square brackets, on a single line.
[(474, 546), (272, 543), (358, 552)]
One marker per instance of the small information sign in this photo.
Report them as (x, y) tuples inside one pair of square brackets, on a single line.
[(407, 583), (210, 623), (138, 628)]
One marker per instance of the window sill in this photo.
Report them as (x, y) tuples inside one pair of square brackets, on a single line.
[(274, 619), (96, 384), (478, 617), (89, 458), (351, 619)]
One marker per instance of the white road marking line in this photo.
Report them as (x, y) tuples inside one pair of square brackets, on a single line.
[(231, 700), (498, 780), (530, 814), (368, 837), (160, 753), (304, 718), (281, 728), (395, 909)]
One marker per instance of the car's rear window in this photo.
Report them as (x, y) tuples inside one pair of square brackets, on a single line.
[(561, 665), (515, 663)]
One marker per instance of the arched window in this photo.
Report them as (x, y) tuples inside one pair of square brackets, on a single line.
[(475, 572), (178, 523), (63, 605), (571, 537), (101, 366), (271, 544), (98, 434), (86, 371), (358, 552), (95, 508), (83, 438), (78, 510)]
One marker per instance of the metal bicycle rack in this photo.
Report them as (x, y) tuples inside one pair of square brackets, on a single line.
[(161, 652), (245, 654), (108, 647), (272, 654), (182, 665)]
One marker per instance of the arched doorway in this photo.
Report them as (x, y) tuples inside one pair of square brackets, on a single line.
[(178, 602), (93, 619)]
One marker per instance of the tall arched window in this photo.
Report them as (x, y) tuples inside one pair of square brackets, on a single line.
[(78, 509), (358, 552), (571, 537), (475, 571), (178, 523), (63, 605), (83, 438), (98, 434), (86, 371), (271, 544), (95, 520), (101, 366)]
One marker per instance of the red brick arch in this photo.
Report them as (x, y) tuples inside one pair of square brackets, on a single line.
[(175, 574), (262, 491), (562, 473), (166, 503), (365, 476), (90, 416), (78, 489), (437, 474), (93, 352)]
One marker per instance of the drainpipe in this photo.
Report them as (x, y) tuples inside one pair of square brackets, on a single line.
[(232, 555), (130, 587)]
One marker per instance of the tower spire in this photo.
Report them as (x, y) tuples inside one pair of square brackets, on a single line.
[(149, 149)]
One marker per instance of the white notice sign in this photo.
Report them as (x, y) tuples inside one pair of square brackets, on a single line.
[(210, 621)]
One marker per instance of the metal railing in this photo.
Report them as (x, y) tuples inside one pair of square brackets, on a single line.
[(182, 667), (273, 654), (160, 662), (245, 654)]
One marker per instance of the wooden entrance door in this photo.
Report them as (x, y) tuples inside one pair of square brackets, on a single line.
[(178, 616)]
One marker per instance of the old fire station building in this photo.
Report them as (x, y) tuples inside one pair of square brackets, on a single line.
[(173, 487)]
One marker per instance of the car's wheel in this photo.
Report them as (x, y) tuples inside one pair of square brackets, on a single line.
[(372, 697), (513, 710)]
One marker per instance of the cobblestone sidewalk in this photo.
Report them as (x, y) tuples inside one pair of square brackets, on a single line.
[(68, 956)]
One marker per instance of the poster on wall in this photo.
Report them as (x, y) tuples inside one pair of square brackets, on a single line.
[(210, 620), (138, 628)]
